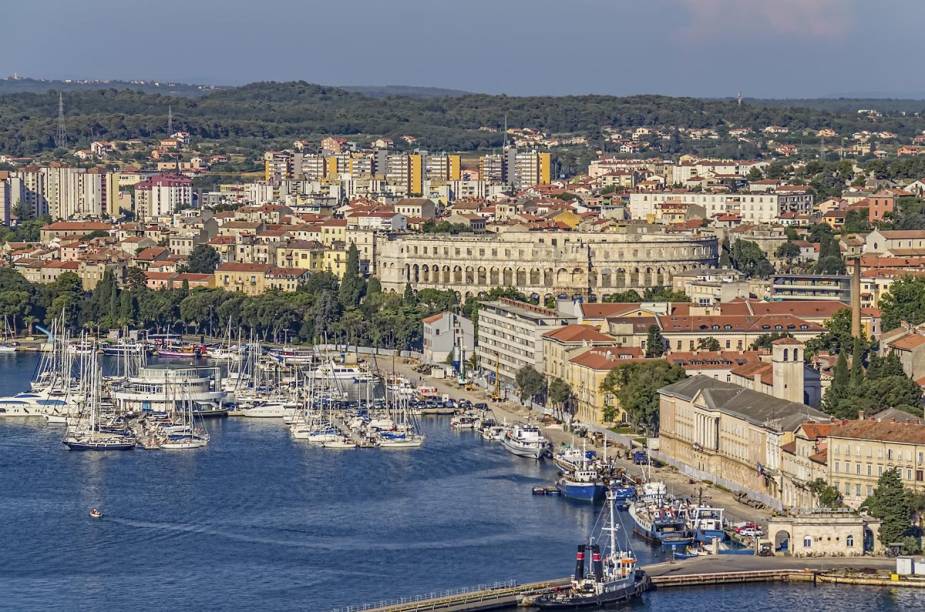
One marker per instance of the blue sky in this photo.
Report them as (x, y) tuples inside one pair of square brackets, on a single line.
[(763, 48)]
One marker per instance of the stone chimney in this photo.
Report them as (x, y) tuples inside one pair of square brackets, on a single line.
[(787, 369)]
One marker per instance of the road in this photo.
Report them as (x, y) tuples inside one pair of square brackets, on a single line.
[(511, 412)]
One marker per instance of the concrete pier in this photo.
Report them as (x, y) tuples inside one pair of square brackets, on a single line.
[(703, 571)]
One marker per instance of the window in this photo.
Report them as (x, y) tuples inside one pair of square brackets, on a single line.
[(918, 475), (849, 541), (807, 542), (857, 490)]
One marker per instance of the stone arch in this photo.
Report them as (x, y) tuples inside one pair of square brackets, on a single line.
[(634, 277), (425, 273), (620, 279), (606, 279), (507, 277), (535, 277), (563, 277), (457, 274), (548, 276), (470, 275), (783, 542), (446, 275), (493, 277), (521, 277), (481, 276)]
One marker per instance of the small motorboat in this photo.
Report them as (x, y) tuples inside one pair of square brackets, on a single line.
[(95, 514)]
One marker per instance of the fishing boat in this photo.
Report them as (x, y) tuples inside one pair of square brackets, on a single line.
[(571, 458), (706, 523), (609, 578), (467, 420), (581, 485), (661, 522), (525, 441)]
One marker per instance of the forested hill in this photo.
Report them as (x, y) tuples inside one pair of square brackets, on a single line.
[(284, 111), (26, 85)]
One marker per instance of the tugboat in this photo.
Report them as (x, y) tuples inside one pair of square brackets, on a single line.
[(610, 579)]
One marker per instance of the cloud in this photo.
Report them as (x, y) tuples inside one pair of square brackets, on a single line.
[(800, 18)]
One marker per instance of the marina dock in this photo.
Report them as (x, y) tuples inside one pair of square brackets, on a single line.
[(705, 571), (338, 422)]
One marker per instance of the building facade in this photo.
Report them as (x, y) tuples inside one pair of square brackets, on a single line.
[(543, 263)]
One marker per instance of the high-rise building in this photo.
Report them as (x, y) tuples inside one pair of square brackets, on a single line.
[(162, 195)]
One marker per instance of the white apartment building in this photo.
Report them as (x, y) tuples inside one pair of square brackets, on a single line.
[(162, 195), (751, 207), (510, 337)]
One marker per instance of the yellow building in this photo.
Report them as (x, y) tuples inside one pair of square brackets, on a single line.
[(254, 279), (415, 174), (333, 230), (545, 161), (585, 373), (335, 260), (860, 451), (559, 345), (301, 254), (724, 433)]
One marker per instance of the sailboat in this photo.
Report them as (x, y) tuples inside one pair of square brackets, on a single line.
[(7, 343), (610, 577), (405, 433), (89, 433), (186, 433)]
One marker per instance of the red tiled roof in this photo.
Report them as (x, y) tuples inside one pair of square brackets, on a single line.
[(578, 333), (609, 357), (886, 431), (909, 342)]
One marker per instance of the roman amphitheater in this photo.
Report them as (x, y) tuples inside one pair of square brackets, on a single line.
[(543, 263)]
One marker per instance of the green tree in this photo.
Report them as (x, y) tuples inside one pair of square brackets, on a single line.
[(748, 258), (530, 383), (663, 294), (905, 301), (836, 337), (891, 504), (629, 296), (788, 251), (203, 260), (655, 342), (839, 389), (560, 394), (764, 341), (635, 387), (827, 495), (708, 344), (352, 285)]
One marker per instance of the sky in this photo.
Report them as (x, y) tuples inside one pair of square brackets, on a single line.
[(705, 48)]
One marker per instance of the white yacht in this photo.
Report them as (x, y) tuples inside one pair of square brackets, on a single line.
[(525, 441)]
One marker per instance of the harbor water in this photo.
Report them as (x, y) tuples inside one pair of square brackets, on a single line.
[(259, 521)]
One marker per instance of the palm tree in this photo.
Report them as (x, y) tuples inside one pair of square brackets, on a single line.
[(30, 321)]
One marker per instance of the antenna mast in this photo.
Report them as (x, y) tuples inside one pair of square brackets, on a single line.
[(61, 133)]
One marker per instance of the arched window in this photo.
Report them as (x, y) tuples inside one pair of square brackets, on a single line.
[(796, 354), (849, 541), (807, 542), (786, 354)]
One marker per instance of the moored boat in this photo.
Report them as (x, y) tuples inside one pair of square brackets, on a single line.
[(525, 441)]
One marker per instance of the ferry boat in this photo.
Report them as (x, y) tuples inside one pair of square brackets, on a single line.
[(607, 579), (706, 523), (525, 441)]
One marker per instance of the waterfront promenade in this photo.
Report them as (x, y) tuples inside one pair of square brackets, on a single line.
[(512, 412)]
